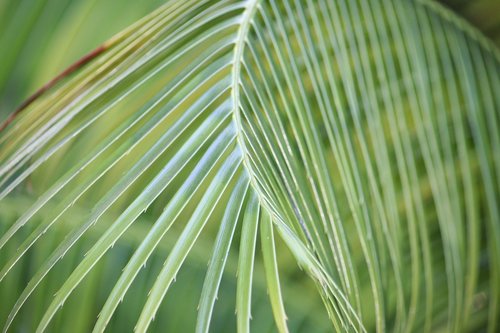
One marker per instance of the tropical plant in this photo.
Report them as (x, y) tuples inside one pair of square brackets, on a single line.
[(357, 139)]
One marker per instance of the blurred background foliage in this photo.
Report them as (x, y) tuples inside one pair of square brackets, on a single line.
[(38, 39), (483, 14)]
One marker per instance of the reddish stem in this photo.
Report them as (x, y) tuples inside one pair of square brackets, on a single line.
[(72, 68)]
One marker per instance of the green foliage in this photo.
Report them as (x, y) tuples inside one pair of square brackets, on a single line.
[(357, 139)]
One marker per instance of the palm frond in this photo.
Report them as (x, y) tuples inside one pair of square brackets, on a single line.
[(366, 133)]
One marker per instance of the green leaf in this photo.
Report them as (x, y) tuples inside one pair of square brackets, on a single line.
[(246, 264), (219, 256), (272, 275), (365, 132)]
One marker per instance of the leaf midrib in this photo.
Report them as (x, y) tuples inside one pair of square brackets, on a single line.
[(239, 47)]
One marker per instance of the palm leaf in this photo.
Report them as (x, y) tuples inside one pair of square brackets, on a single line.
[(365, 133)]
